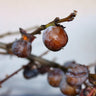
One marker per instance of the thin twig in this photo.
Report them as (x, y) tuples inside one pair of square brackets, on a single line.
[(2, 45), (46, 52), (3, 53), (6, 78), (56, 20), (46, 62), (17, 32), (41, 61)]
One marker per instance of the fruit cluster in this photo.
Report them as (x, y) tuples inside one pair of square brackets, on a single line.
[(22, 47), (54, 38), (70, 83), (70, 77)]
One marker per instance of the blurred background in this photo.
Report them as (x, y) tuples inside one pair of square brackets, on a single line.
[(27, 13)]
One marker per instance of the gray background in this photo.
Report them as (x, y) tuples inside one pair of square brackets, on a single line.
[(26, 13)]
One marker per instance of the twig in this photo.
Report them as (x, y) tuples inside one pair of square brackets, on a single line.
[(42, 61), (17, 32), (46, 62), (54, 22), (44, 53), (3, 53), (6, 78), (2, 45)]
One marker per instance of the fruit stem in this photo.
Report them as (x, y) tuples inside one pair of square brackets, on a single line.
[(54, 22)]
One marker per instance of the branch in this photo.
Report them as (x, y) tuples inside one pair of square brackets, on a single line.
[(42, 61), (6, 78), (17, 32), (46, 62), (3, 45), (46, 52), (54, 22), (3, 53)]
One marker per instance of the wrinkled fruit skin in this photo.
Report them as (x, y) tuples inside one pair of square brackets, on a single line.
[(67, 89), (55, 76), (21, 48), (77, 74), (54, 38)]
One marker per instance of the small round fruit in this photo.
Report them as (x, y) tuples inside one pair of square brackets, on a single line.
[(55, 77), (67, 89), (30, 72), (77, 74), (54, 38), (21, 48)]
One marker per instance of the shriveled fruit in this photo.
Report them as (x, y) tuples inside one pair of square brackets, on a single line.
[(30, 72), (21, 48), (54, 38), (77, 74), (55, 76), (67, 89)]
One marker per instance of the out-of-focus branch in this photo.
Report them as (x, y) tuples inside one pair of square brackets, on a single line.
[(42, 61), (2, 45), (46, 62), (17, 32), (3, 53), (46, 52), (6, 78)]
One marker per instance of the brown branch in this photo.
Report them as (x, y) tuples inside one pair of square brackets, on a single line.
[(2, 45), (6, 78), (42, 61), (54, 22), (17, 32), (68, 18), (46, 62), (44, 53), (3, 53)]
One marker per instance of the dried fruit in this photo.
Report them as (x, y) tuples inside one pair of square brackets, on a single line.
[(21, 48), (30, 72), (55, 37), (67, 89), (55, 76), (77, 74)]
